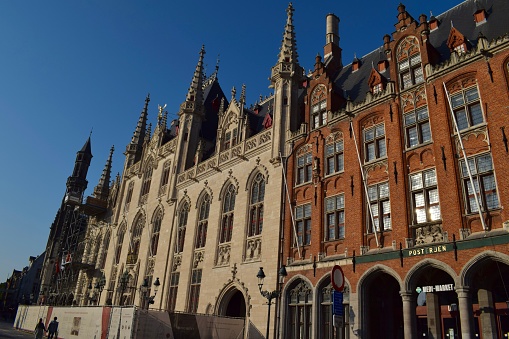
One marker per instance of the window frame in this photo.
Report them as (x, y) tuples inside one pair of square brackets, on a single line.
[(414, 120), (468, 198), (194, 290), (381, 202), (227, 214), (303, 225), (334, 157), (202, 224), (424, 189), (336, 211), (466, 106), (377, 141), (304, 168), (256, 206)]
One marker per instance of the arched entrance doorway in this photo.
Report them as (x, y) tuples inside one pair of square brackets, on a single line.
[(488, 280), (383, 307), (236, 306), (435, 302), (233, 304)]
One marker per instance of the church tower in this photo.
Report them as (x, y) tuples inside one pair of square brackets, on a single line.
[(286, 78), (69, 224)]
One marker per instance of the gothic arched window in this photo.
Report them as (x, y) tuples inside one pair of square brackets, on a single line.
[(409, 63), (156, 229), (227, 215), (182, 224), (256, 205), (203, 216), (300, 318)]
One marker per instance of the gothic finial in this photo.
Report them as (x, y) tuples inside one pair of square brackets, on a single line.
[(234, 92), (102, 190), (243, 94)]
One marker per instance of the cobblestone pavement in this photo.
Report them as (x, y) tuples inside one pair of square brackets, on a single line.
[(9, 332)]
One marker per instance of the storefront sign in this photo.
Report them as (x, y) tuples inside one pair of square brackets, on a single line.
[(435, 288), (427, 250)]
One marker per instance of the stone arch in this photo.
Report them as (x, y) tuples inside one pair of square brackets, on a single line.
[(159, 211), (230, 181), (258, 169), (185, 199), (206, 190), (140, 217), (423, 264), (375, 269), (466, 274), (227, 302)]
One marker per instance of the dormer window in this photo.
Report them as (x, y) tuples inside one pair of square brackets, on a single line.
[(382, 66), (433, 24), (409, 63), (230, 139), (319, 106), (457, 42), (355, 65), (480, 17), (461, 49), (377, 88)]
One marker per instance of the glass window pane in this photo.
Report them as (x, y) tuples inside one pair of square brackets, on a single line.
[(433, 196), (369, 134), (340, 201), (299, 212), (461, 119), (380, 130), (426, 132), (339, 146), (416, 181), (419, 199), (472, 94), (382, 151), (340, 163), (422, 113), (457, 100), (307, 210), (476, 114), (434, 213), (300, 161), (409, 119), (329, 204), (329, 149), (384, 190), (403, 65), (415, 59), (420, 215), (330, 165), (413, 139), (308, 158), (407, 80), (418, 75), (370, 152), (372, 193), (374, 210), (430, 178)]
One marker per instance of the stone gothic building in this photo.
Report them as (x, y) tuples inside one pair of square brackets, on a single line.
[(361, 165)]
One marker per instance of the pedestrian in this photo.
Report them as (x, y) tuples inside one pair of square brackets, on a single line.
[(40, 328), (53, 329)]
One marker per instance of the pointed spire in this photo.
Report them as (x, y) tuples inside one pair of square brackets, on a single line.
[(148, 133), (87, 148), (243, 95), (102, 190), (134, 149), (288, 51), (195, 92)]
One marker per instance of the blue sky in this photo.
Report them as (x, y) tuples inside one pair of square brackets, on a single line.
[(70, 67)]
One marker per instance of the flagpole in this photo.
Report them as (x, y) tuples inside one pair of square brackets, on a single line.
[(364, 184), (467, 165)]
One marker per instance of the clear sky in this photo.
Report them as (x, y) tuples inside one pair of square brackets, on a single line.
[(70, 67)]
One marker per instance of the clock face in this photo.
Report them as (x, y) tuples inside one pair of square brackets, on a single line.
[(319, 94)]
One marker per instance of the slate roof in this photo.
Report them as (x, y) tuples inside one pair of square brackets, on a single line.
[(355, 84)]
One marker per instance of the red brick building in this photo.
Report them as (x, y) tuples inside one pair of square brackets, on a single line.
[(378, 183)]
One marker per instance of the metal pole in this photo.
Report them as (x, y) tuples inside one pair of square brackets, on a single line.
[(269, 302)]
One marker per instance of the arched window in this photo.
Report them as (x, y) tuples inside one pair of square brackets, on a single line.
[(106, 244), (145, 186), (409, 62), (182, 224), (227, 216), (120, 240), (203, 216), (132, 257), (256, 206), (300, 318), (319, 106), (154, 241)]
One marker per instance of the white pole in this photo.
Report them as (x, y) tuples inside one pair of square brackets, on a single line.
[(364, 184), (290, 205), (466, 160)]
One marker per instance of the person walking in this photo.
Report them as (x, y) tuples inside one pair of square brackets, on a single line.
[(53, 329), (40, 328)]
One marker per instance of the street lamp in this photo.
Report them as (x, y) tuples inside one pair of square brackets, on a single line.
[(124, 280), (269, 295), (99, 286), (147, 300)]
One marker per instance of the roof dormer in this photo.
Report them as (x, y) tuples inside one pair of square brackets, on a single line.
[(433, 23), (457, 42), (356, 64), (376, 82)]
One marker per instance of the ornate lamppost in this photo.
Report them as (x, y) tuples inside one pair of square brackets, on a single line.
[(147, 300), (269, 295)]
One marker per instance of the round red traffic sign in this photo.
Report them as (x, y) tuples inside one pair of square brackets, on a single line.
[(337, 278)]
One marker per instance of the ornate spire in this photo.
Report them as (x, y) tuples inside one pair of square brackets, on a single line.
[(288, 52), (195, 92), (134, 149), (243, 95), (102, 190)]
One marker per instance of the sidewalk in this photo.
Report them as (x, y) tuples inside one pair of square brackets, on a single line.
[(9, 332)]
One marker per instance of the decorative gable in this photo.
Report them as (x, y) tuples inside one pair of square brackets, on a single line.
[(376, 82), (456, 41)]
